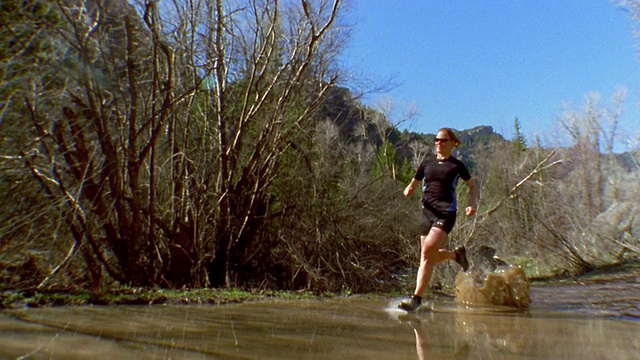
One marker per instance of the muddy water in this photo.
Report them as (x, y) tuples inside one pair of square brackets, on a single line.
[(505, 286), (597, 318)]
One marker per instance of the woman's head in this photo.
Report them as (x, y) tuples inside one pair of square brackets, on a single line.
[(445, 135)]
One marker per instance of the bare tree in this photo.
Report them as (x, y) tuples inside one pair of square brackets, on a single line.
[(161, 144), (287, 51)]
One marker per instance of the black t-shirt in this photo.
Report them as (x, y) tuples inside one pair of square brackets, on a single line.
[(440, 181)]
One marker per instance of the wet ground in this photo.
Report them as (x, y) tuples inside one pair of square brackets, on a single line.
[(613, 294), (593, 318)]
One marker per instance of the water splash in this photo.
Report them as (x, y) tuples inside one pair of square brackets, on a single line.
[(507, 285)]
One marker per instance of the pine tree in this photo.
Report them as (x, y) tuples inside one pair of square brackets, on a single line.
[(519, 142)]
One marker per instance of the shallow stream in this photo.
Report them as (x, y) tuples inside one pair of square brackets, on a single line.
[(593, 318)]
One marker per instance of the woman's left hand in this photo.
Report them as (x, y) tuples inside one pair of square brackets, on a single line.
[(470, 210)]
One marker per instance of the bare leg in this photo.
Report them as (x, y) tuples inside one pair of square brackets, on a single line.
[(430, 255), (422, 343)]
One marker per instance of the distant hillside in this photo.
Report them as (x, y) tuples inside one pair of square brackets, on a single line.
[(359, 123), (629, 161)]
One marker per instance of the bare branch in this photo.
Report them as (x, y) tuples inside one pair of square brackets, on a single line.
[(512, 193)]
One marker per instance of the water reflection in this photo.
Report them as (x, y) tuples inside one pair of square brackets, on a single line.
[(474, 333), (364, 328)]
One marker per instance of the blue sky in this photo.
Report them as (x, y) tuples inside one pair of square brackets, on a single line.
[(467, 63)]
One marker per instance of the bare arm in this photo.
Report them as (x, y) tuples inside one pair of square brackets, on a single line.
[(409, 189), (473, 197)]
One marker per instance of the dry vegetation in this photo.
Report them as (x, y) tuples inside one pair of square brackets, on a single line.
[(211, 145)]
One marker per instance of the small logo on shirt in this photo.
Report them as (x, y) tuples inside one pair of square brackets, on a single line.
[(439, 222)]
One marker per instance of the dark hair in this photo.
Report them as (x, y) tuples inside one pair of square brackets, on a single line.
[(452, 136)]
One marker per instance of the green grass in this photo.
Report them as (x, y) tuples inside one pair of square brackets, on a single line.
[(145, 296)]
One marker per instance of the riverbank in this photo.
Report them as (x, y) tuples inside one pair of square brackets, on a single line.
[(140, 296), (35, 298)]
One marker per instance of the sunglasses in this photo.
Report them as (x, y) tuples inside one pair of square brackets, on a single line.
[(438, 140)]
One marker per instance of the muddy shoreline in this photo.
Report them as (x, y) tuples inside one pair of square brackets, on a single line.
[(35, 298)]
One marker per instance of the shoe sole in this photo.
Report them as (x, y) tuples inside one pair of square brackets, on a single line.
[(463, 261)]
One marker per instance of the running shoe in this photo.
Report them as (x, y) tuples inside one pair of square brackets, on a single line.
[(412, 304), (461, 257)]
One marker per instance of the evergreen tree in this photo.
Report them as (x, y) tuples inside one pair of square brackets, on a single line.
[(519, 142)]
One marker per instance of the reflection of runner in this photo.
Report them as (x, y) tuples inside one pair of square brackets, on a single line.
[(444, 346), (439, 205), (422, 342)]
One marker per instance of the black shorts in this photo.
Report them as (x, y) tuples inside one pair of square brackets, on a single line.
[(442, 220)]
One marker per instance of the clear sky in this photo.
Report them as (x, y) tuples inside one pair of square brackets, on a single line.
[(467, 63)]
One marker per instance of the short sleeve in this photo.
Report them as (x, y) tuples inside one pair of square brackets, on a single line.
[(419, 175), (464, 172)]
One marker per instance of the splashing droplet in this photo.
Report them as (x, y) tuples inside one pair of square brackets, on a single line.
[(505, 286)]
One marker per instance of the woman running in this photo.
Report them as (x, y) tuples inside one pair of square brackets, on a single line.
[(439, 205)]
